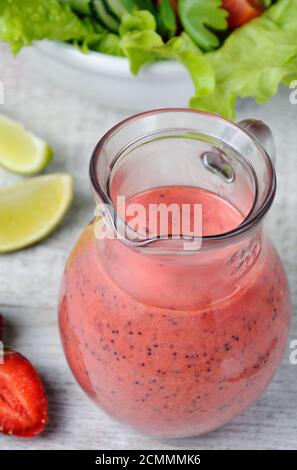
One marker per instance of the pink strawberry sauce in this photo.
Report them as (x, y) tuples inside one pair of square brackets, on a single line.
[(175, 345)]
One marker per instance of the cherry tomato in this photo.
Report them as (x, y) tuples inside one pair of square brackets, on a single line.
[(242, 11)]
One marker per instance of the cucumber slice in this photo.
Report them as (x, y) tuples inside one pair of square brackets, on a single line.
[(116, 7), (104, 17), (80, 6)]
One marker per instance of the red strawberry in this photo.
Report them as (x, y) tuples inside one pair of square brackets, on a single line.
[(1, 326), (23, 403)]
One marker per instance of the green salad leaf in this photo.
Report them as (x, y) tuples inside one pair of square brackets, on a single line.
[(138, 21), (109, 43), (25, 21), (198, 17), (142, 44), (186, 51), (253, 60)]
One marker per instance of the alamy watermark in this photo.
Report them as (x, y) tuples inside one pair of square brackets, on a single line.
[(293, 94), (293, 353), (136, 222)]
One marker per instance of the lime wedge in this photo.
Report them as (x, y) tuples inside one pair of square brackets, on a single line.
[(20, 151), (31, 209)]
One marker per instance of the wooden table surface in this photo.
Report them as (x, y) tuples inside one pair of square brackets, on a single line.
[(29, 280)]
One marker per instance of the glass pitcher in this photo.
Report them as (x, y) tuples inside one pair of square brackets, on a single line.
[(177, 333)]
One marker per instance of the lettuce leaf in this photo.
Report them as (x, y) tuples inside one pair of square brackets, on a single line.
[(109, 43), (137, 21), (254, 60), (142, 44), (25, 21)]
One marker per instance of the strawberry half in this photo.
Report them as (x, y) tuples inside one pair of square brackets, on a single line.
[(23, 402)]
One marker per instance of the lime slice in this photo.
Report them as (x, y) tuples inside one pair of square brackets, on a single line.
[(20, 151), (31, 209)]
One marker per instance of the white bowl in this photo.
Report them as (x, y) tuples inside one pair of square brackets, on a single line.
[(108, 80)]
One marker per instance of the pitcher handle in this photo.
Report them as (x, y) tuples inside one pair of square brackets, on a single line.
[(261, 133)]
